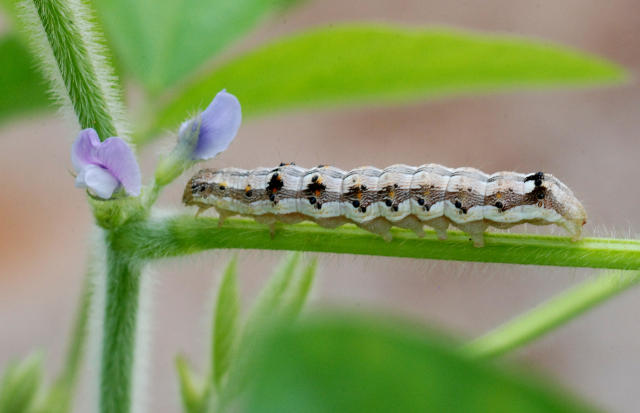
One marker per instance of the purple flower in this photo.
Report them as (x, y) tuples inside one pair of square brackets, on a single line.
[(104, 166), (219, 124)]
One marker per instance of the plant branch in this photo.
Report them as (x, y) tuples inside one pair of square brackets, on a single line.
[(184, 234), (74, 61), (551, 314), (119, 332)]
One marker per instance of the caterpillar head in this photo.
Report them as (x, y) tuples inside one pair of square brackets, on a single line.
[(551, 194), (198, 187)]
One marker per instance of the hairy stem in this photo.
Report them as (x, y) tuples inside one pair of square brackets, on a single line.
[(182, 234), (69, 40), (551, 314), (119, 332)]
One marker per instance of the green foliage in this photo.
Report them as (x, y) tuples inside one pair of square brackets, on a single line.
[(191, 391), (298, 291), (162, 41), (9, 7), (345, 364), (551, 314), (23, 87), (280, 301), (269, 302), (186, 234), (373, 64), (20, 384), (225, 323)]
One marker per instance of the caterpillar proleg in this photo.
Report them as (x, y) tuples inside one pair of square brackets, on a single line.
[(399, 195)]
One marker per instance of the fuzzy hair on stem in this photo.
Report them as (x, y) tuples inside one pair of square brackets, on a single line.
[(73, 57), (120, 334), (175, 235)]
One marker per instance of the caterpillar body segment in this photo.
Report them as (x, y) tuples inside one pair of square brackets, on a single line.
[(399, 195)]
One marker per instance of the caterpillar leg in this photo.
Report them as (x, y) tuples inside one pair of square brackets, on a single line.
[(440, 225), (269, 220), (200, 210), (413, 224), (478, 240), (573, 228), (475, 231), (378, 226), (222, 216)]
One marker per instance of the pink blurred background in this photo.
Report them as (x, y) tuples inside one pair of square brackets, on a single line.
[(588, 138)]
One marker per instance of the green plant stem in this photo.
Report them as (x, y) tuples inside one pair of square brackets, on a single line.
[(551, 314), (78, 63), (68, 34), (151, 195), (119, 332), (185, 234)]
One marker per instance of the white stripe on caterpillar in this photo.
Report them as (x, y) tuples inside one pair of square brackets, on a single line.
[(399, 195)]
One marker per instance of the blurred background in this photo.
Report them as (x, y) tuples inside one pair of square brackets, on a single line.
[(588, 138)]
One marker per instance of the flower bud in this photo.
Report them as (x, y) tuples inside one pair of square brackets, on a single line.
[(202, 137)]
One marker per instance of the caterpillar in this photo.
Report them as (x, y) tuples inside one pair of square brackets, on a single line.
[(399, 195)]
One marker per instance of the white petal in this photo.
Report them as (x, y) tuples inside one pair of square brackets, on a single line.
[(100, 181)]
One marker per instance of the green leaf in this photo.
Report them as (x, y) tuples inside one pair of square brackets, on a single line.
[(298, 292), (191, 390), (344, 364), (279, 302), (20, 384), (266, 310), (225, 323), (268, 304), (161, 41), (23, 88), (368, 63)]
